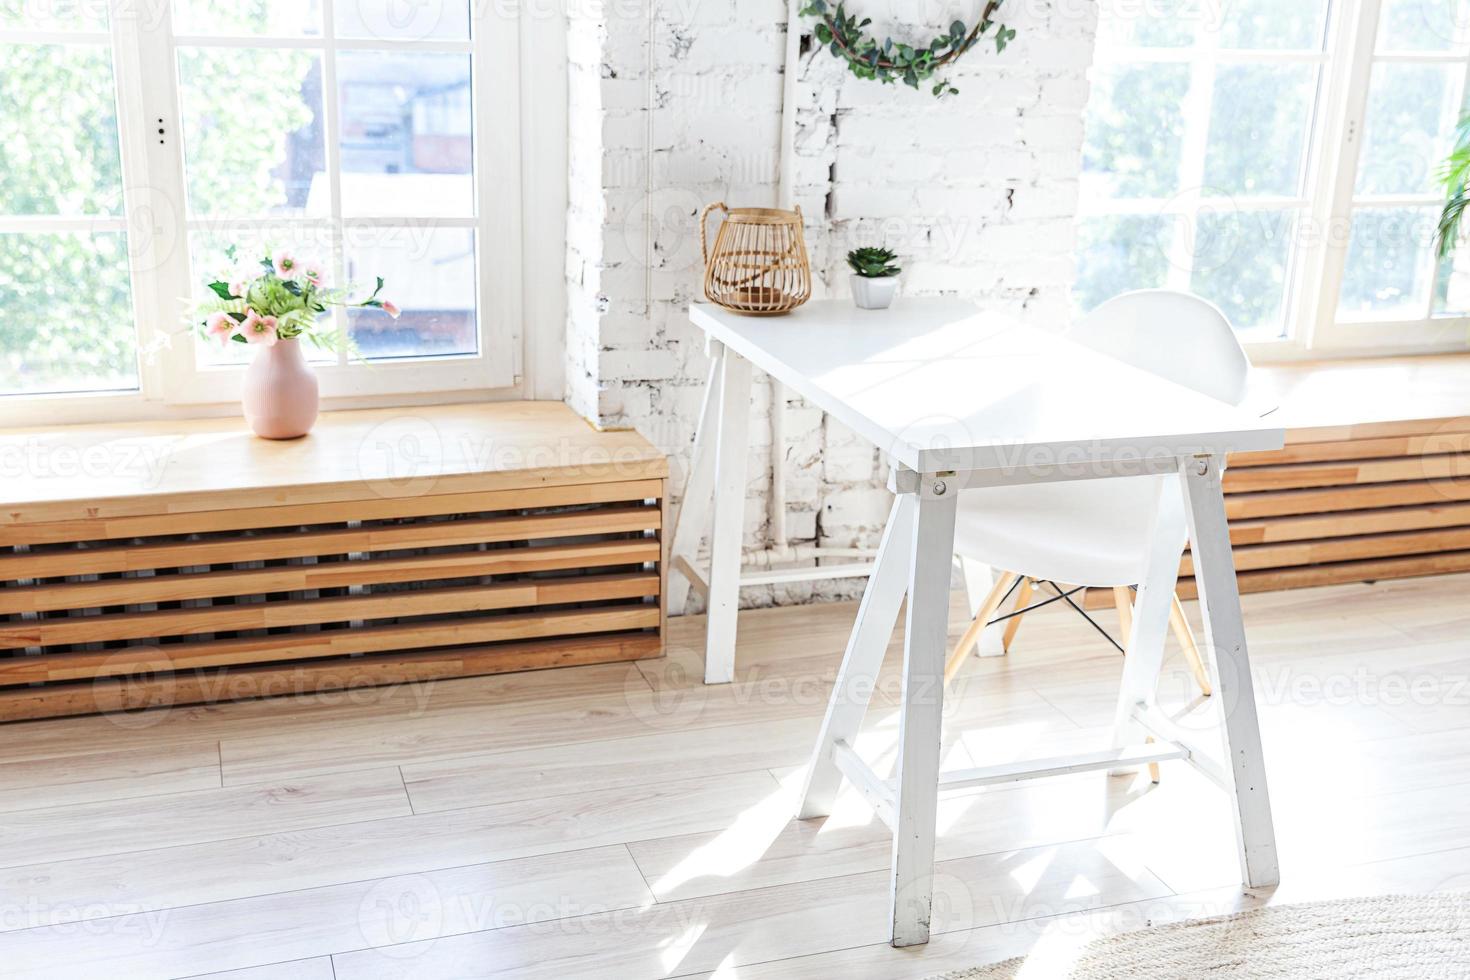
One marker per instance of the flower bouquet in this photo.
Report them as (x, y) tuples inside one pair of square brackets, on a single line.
[(273, 307)]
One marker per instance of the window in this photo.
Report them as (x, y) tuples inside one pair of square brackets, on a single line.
[(1279, 160), (61, 208), (380, 138)]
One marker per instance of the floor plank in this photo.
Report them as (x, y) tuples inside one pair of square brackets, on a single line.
[(55, 778), (87, 830), (254, 866), (400, 914), (727, 931)]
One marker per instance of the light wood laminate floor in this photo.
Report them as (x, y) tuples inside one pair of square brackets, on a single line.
[(625, 821)]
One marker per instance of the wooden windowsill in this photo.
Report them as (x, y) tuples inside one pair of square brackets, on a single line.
[(1368, 393), (57, 473)]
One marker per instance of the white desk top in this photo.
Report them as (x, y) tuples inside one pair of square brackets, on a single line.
[(939, 385)]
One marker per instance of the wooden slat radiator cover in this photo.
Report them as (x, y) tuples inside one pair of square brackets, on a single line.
[(225, 594), (1347, 504)]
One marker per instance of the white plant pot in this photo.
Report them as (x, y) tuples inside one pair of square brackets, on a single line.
[(873, 294)]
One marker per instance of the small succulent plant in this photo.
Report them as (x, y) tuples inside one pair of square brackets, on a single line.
[(873, 263)]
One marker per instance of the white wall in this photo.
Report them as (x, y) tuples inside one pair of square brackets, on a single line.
[(977, 192)]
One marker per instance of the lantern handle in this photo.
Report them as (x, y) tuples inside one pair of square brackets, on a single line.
[(703, 218)]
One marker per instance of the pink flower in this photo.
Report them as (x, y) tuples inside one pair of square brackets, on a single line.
[(311, 271), (391, 308), (286, 265), (220, 326), (258, 329)]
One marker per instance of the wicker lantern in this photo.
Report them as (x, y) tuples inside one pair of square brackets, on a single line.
[(758, 265)]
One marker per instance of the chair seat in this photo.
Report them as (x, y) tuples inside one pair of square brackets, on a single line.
[(1087, 532)]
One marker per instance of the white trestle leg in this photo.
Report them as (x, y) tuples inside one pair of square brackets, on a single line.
[(729, 520), (926, 643), (871, 631), (1229, 665), (694, 506)]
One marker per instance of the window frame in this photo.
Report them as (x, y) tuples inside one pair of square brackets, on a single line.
[(1187, 205), (1325, 332), (147, 89), (1313, 329)]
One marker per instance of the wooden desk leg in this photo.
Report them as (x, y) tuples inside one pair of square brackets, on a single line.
[(1219, 598), (694, 506), (871, 631), (731, 447), (916, 807)]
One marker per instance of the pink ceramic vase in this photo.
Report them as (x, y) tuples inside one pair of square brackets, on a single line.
[(279, 393)]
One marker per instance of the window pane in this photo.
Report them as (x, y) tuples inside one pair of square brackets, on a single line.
[(1411, 111), (1273, 24), (58, 131), (1159, 24), (66, 313), (1134, 131), (406, 134), (208, 258), (395, 20), (430, 273), (1422, 25), (270, 17), (1240, 265), (1258, 129), (1386, 273), (1121, 252), (252, 131), (48, 16)]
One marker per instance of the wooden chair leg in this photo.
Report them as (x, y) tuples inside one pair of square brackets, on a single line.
[(972, 635), (1023, 596), (1123, 599), (1185, 636)]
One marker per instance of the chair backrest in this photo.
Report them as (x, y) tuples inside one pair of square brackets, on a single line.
[(1175, 335)]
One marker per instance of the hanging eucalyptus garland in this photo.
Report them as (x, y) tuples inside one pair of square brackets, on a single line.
[(890, 61)]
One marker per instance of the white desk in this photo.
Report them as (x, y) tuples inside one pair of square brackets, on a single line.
[(956, 398)]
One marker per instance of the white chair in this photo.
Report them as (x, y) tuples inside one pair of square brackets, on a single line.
[(1095, 533)]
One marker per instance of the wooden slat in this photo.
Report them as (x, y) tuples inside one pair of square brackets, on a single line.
[(306, 646), (268, 615), (1281, 503), (328, 575), (1270, 530), (295, 514), (1335, 474), (1372, 570), (236, 683), (1311, 452), (1355, 547), (298, 544)]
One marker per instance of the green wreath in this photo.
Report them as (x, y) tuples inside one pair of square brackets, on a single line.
[(889, 61)]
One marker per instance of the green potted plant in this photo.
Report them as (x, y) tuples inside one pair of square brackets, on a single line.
[(874, 277)]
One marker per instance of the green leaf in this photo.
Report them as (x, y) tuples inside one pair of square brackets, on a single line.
[(824, 34), (910, 79), (957, 29), (222, 290)]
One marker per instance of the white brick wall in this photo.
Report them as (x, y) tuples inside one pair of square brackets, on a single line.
[(977, 192)]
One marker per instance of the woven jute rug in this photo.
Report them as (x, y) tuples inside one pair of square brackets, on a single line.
[(1406, 937)]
